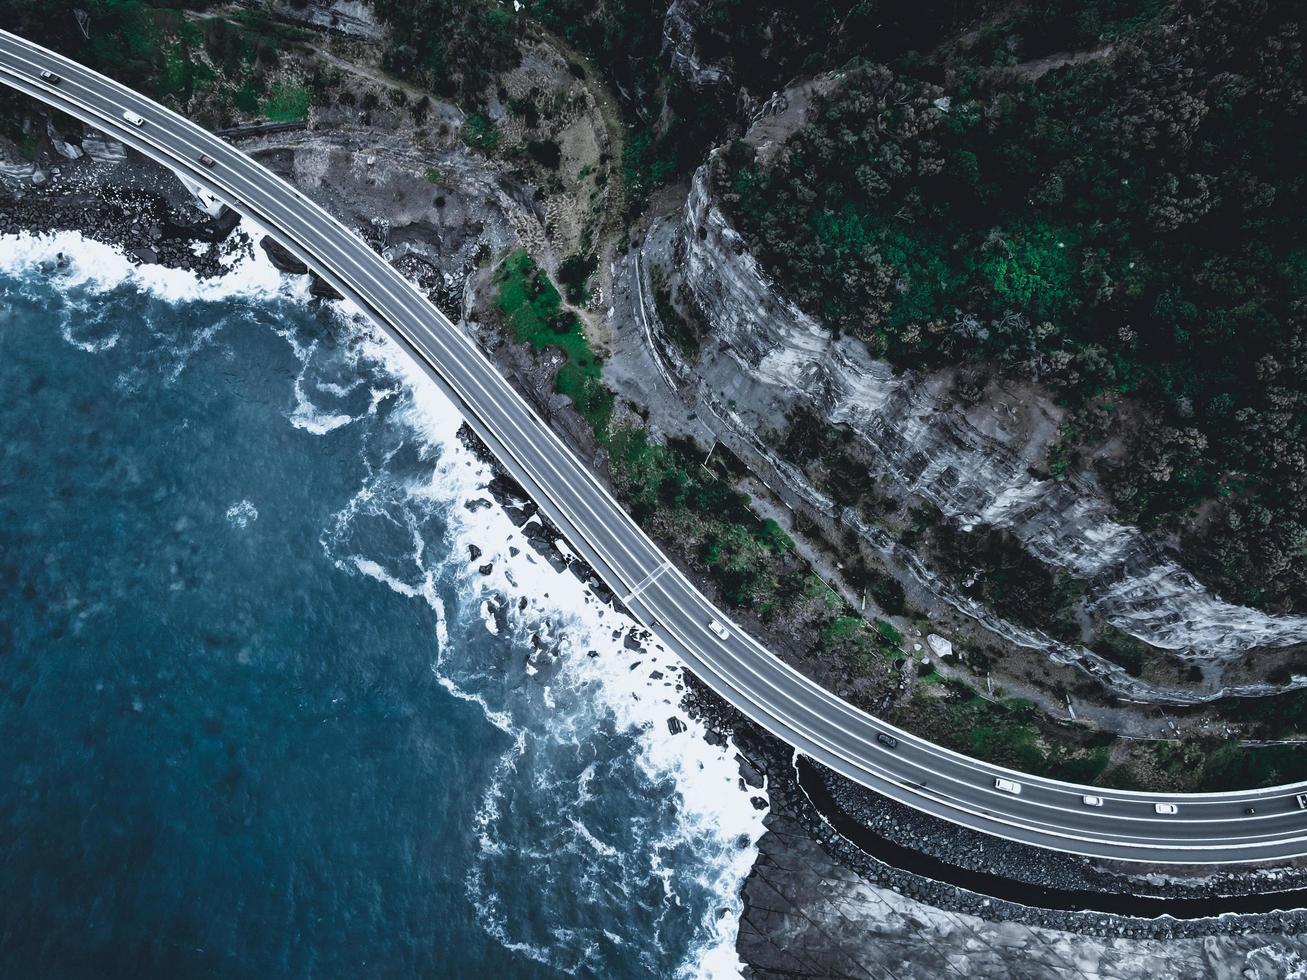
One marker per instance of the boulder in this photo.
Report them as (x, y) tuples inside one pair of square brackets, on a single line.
[(939, 646)]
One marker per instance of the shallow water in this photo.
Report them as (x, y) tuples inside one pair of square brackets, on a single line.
[(260, 715)]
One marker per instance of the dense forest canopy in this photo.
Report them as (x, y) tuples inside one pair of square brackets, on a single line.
[(1127, 226)]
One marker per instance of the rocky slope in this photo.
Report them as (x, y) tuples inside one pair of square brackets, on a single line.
[(349, 18), (763, 358)]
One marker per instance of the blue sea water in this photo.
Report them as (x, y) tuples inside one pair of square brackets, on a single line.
[(260, 716)]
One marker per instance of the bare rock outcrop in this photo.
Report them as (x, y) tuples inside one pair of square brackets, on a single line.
[(766, 357)]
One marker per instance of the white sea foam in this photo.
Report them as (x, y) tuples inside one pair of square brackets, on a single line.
[(96, 267), (713, 820), (241, 513), (713, 814)]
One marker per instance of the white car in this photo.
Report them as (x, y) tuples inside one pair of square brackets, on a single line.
[(133, 118), (1008, 786), (719, 629), (1091, 800), (1165, 808)]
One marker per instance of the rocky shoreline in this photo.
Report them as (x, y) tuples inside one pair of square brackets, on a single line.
[(148, 215), (764, 754)]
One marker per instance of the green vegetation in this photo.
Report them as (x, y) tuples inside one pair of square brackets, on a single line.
[(1111, 227), (545, 152), (686, 329), (1011, 580), (287, 102), (435, 175), (453, 47), (1011, 733), (1122, 649), (669, 490), (533, 307), (574, 272), (480, 133), (207, 66), (888, 634)]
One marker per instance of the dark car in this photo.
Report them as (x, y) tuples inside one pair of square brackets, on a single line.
[(889, 741), (1250, 810), (207, 160), (49, 76)]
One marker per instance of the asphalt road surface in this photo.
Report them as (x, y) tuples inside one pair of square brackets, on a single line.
[(1207, 828)]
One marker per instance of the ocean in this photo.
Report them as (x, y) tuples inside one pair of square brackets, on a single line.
[(261, 711)]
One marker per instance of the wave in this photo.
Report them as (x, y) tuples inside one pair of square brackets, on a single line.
[(80, 263), (578, 708), (593, 682)]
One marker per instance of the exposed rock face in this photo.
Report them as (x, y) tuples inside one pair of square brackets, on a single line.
[(434, 233), (351, 18), (765, 357), (807, 915), (680, 50)]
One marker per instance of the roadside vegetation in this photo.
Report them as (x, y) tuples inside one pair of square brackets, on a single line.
[(214, 64), (532, 306), (671, 492)]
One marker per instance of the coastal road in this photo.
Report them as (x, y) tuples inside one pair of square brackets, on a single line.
[(1206, 829)]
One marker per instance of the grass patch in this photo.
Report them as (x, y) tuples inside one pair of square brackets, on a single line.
[(533, 308), (1009, 733), (435, 176), (287, 102), (480, 133)]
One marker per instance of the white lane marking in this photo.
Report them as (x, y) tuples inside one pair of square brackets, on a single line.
[(645, 582)]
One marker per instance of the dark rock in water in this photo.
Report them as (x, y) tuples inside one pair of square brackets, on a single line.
[(655, 675), (541, 538), (758, 802), (281, 257), (473, 552), (675, 725), (514, 551), (592, 654), (517, 513), (750, 774), (487, 568), (322, 289), (631, 643), (147, 255), (226, 222), (284, 260)]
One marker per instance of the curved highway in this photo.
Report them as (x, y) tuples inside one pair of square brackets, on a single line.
[(1204, 829)]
